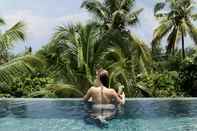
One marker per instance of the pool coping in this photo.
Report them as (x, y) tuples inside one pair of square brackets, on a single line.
[(80, 99)]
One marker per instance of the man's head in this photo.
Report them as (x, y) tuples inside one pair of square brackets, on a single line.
[(98, 71), (104, 77)]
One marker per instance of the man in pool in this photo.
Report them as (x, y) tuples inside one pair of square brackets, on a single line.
[(104, 99), (102, 94)]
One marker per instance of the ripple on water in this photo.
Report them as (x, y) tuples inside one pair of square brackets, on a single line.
[(70, 116)]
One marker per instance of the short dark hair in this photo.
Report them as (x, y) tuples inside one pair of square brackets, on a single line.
[(104, 79)]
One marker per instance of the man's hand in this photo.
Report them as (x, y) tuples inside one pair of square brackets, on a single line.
[(122, 96), (119, 98)]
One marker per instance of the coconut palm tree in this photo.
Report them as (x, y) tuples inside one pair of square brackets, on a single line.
[(113, 14), (10, 36), (74, 52), (126, 60), (176, 19)]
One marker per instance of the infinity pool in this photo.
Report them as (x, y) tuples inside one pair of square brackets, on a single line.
[(73, 115)]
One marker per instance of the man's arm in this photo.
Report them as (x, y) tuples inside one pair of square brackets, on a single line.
[(120, 100), (88, 95)]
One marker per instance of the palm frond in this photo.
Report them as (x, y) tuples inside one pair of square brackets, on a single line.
[(192, 31), (95, 7), (132, 18), (112, 5), (117, 72), (161, 31), (127, 4), (60, 33), (118, 18), (2, 22), (13, 34), (117, 64), (141, 49), (159, 6), (173, 3), (18, 67), (144, 89)]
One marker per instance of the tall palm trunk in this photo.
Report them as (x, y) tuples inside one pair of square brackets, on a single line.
[(183, 44), (173, 50)]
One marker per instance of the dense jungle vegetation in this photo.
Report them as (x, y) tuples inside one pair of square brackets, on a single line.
[(66, 66)]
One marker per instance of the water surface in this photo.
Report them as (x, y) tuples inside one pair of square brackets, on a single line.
[(73, 115)]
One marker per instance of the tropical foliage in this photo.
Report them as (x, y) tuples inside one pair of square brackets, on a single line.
[(176, 19), (187, 76), (77, 58), (7, 38), (113, 14), (66, 66)]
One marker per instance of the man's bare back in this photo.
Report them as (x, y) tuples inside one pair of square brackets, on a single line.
[(102, 95)]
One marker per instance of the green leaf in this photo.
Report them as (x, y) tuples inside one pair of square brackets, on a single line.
[(13, 34), (18, 67), (159, 6)]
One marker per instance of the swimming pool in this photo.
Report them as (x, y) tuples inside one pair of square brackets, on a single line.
[(72, 115)]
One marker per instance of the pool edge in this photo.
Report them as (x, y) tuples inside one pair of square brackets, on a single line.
[(80, 99)]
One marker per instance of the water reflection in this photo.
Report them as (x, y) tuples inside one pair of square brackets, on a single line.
[(157, 109), (78, 110), (100, 115), (4, 109), (12, 109), (180, 108)]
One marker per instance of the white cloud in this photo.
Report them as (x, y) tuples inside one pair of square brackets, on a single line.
[(40, 28), (40, 25)]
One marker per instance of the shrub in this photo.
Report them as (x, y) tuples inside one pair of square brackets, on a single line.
[(27, 84), (188, 77), (157, 84)]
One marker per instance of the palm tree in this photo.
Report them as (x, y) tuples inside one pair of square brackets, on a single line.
[(10, 36), (113, 14), (126, 60), (176, 21), (124, 55), (73, 54)]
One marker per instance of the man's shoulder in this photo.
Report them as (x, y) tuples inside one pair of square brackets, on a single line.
[(92, 88), (111, 90)]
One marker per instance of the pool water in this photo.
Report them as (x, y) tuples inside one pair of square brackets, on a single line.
[(73, 115)]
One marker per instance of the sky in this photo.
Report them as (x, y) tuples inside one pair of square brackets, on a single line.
[(43, 16)]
